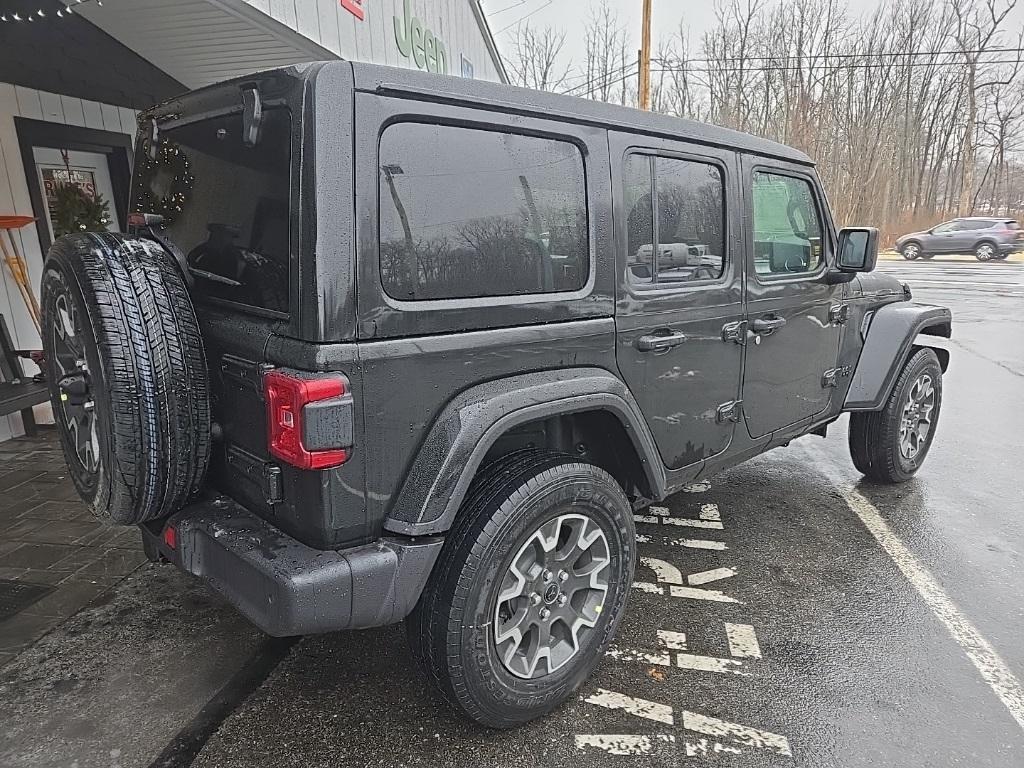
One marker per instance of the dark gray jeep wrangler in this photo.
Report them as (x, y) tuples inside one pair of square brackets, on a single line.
[(385, 345)]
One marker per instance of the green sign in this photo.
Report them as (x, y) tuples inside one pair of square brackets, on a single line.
[(416, 41)]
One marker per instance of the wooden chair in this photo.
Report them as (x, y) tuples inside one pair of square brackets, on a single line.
[(18, 392)]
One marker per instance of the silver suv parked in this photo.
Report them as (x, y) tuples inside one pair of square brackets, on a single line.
[(987, 238)]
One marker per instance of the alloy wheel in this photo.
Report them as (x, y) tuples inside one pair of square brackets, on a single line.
[(551, 596), (916, 417), (911, 251), (985, 252), (77, 406)]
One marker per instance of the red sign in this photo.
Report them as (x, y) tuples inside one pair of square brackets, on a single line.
[(355, 7)]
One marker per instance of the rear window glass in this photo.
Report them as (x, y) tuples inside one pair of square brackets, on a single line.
[(467, 213), (225, 205)]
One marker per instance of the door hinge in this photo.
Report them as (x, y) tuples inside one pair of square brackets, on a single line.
[(830, 378), (735, 332), (838, 314), (729, 411)]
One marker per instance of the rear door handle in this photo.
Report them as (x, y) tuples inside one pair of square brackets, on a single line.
[(660, 342), (767, 326)]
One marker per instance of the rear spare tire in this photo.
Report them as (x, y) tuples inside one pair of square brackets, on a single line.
[(127, 374)]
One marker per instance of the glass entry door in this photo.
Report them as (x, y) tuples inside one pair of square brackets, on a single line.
[(77, 191)]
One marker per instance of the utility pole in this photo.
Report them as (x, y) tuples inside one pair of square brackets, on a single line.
[(645, 59)]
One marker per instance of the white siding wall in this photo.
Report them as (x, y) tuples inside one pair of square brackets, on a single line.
[(16, 101), (329, 25)]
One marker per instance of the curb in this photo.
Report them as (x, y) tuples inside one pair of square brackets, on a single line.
[(1014, 258)]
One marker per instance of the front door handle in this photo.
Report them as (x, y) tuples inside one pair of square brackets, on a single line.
[(767, 326), (656, 342)]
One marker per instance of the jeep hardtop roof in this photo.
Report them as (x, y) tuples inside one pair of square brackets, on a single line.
[(376, 78)]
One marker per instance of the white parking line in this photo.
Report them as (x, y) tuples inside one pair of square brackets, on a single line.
[(666, 572), (992, 668), (674, 641), (710, 512), (706, 577), (689, 543), (680, 521), (691, 593), (622, 743), (742, 641), (709, 664), (658, 658), (650, 710), (750, 737), (702, 748)]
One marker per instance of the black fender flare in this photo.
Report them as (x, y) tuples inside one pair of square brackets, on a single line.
[(890, 338), (469, 425)]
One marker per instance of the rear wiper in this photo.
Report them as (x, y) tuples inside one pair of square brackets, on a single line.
[(213, 277)]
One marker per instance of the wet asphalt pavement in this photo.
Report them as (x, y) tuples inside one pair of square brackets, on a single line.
[(773, 630)]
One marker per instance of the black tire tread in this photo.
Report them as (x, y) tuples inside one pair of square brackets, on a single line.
[(153, 372), (434, 621), (873, 435)]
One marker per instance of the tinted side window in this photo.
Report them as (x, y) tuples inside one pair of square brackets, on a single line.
[(691, 220), (467, 213), (787, 229), (638, 188), (690, 243), (225, 204)]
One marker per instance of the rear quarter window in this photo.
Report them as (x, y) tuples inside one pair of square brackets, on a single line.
[(469, 213)]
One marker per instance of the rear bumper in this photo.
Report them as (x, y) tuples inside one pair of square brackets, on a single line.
[(1014, 247), (286, 588)]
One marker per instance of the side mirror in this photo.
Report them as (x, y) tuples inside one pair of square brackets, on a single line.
[(858, 249)]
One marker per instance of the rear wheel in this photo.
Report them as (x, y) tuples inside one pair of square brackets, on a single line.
[(127, 375), (891, 445), (529, 589), (985, 252), (911, 251)]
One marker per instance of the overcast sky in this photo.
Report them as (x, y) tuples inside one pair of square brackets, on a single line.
[(569, 15)]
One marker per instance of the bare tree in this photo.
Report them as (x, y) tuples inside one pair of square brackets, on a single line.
[(977, 30), (912, 112), (536, 58), (609, 66)]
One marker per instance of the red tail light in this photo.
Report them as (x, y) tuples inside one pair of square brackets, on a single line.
[(287, 396)]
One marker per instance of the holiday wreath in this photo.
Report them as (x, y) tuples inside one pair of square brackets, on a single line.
[(167, 166)]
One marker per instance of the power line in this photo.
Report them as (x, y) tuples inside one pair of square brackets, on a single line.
[(819, 68), (507, 8), (604, 80), (865, 55), (521, 19)]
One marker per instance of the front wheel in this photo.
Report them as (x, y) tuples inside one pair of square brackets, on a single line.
[(529, 589), (890, 445), (911, 251), (985, 252)]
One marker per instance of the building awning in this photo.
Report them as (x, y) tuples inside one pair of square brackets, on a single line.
[(198, 42)]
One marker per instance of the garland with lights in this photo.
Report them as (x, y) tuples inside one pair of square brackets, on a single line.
[(167, 158), (39, 13)]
